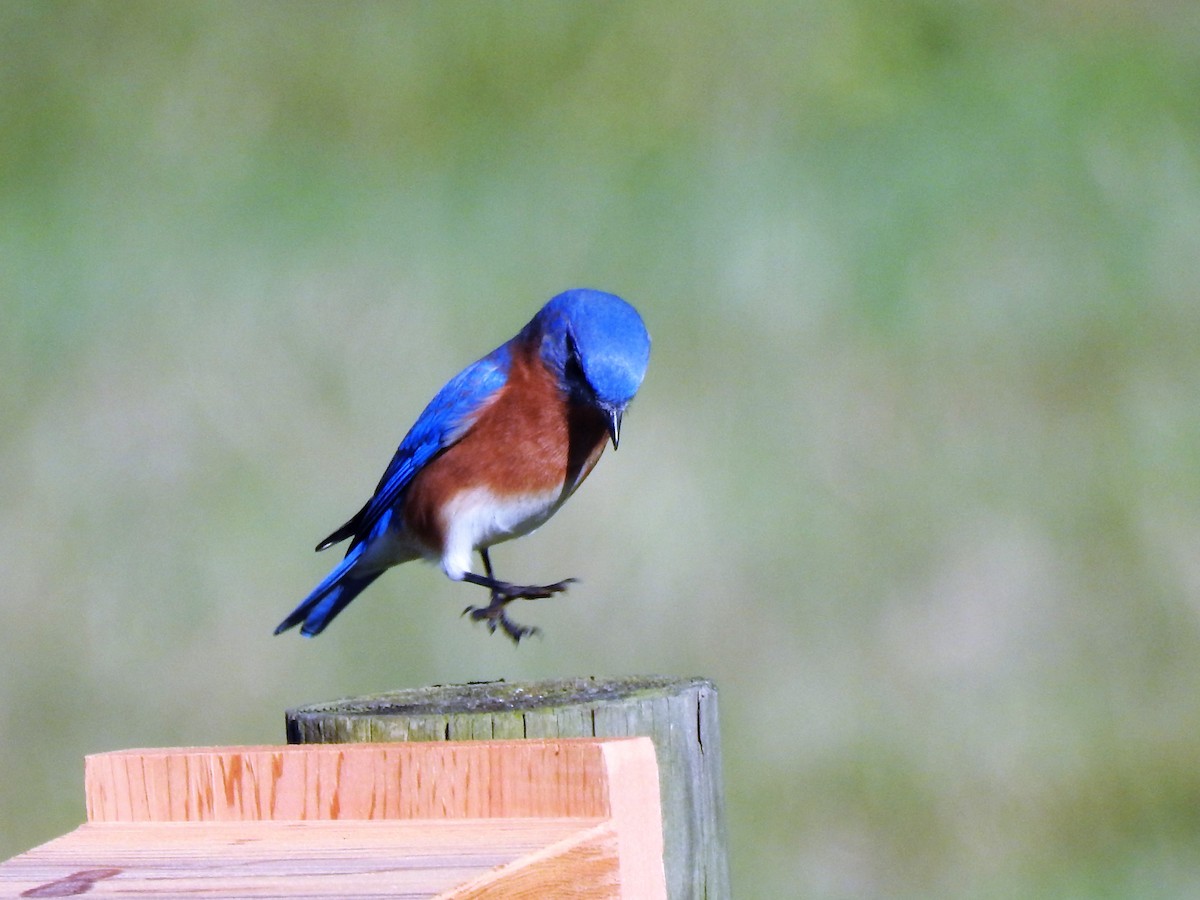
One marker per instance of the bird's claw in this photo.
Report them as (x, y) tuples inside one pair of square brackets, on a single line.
[(494, 615), (539, 591)]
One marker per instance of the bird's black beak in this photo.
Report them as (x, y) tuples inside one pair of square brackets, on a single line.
[(614, 427)]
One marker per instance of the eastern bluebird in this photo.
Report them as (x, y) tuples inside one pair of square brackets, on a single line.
[(494, 455)]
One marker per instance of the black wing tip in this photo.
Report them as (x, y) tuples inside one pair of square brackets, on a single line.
[(347, 529), (338, 536)]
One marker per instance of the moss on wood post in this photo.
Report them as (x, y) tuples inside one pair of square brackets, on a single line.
[(678, 714)]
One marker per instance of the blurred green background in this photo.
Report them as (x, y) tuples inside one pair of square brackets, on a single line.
[(914, 475)]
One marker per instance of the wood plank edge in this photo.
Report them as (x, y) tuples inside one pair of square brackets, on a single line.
[(636, 810), (584, 866)]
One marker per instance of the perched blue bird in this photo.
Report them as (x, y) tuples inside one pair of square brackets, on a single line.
[(494, 455)]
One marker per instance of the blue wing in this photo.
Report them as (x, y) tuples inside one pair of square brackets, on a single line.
[(442, 423)]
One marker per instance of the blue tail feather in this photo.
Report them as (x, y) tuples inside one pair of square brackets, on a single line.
[(329, 597)]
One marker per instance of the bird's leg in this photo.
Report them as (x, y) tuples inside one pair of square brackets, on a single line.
[(503, 593)]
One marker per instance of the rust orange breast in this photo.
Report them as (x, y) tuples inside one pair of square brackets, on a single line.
[(529, 440)]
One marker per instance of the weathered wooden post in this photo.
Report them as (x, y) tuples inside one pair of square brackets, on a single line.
[(678, 714)]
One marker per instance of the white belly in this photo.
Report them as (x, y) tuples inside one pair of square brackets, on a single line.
[(477, 519)]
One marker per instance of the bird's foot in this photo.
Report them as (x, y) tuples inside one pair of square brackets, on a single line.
[(495, 616), (507, 592), (504, 593)]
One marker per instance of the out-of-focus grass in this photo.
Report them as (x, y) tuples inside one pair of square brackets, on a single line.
[(914, 475)]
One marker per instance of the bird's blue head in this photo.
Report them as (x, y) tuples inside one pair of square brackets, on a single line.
[(597, 345)]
